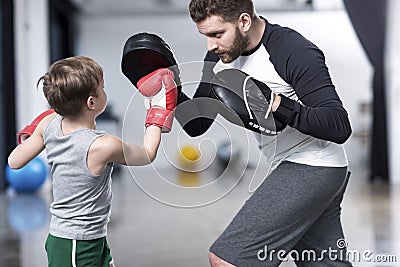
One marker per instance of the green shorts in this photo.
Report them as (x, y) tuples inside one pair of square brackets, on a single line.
[(62, 252)]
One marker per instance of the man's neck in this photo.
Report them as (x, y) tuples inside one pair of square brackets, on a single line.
[(256, 33)]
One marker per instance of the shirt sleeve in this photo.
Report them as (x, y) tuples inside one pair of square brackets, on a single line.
[(197, 115), (321, 113)]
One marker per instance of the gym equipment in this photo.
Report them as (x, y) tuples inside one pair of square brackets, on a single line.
[(189, 153), (27, 212), (248, 98), (29, 178), (188, 179), (29, 129), (188, 156), (144, 53), (161, 97)]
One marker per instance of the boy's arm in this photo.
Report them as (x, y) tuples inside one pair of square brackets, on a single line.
[(145, 154), (30, 148), (110, 148), (29, 129)]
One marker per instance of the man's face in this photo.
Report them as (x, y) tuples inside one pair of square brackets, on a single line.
[(223, 38)]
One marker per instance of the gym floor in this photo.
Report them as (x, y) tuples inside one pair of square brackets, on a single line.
[(145, 232)]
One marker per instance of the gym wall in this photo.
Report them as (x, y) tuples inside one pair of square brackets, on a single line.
[(392, 59), (32, 57)]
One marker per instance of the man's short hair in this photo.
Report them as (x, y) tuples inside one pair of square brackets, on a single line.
[(228, 10)]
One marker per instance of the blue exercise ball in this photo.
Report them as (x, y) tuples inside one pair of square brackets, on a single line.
[(27, 212), (29, 178)]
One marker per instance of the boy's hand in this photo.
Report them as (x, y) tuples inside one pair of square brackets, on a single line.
[(161, 95)]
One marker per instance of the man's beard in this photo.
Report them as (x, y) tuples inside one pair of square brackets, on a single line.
[(239, 45)]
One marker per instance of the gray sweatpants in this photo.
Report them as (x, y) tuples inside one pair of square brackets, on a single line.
[(295, 213)]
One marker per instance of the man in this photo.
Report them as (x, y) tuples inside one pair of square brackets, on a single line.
[(297, 207)]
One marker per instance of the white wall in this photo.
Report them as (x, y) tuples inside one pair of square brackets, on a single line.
[(103, 39), (32, 57), (393, 109), (393, 88)]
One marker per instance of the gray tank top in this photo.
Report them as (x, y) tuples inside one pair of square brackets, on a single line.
[(81, 204)]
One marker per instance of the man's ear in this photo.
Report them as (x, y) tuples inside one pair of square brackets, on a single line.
[(90, 103), (244, 22)]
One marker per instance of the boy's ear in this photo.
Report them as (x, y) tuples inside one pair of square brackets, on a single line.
[(90, 102)]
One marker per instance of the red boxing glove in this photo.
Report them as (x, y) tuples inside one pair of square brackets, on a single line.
[(29, 129), (161, 96)]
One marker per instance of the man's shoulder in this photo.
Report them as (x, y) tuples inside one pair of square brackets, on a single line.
[(281, 39), (285, 44)]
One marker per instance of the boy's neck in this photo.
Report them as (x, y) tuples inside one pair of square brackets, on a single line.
[(73, 123)]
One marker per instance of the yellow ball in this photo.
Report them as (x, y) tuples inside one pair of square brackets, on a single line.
[(188, 179), (189, 153)]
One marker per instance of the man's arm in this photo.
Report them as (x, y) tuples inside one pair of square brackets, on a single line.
[(328, 121), (321, 113), (197, 115)]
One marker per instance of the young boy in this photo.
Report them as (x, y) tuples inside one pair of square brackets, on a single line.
[(81, 160)]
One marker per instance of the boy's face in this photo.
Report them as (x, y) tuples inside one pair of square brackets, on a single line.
[(101, 97), (223, 38)]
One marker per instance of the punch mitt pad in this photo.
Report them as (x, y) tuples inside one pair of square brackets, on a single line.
[(145, 53)]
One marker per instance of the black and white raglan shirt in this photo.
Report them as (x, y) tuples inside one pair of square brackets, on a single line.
[(295, 68)]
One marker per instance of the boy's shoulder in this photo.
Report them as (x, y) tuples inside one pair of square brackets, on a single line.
[(45, 122), (107, 142), (105, 147)]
